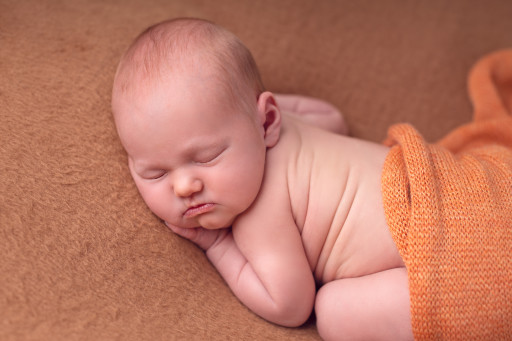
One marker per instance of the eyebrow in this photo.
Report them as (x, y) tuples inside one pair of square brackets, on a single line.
[(138, 166), (204, 144)]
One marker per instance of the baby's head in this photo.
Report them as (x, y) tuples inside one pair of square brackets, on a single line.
[(192, 114), (191, 46)]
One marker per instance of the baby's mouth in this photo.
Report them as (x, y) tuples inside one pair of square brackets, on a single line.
[(196, 210)]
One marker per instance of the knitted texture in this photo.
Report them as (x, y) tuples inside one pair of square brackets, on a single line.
[(449, 209)]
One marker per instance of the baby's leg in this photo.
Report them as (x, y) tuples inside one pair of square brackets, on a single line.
[(313, 111), (372, 307)]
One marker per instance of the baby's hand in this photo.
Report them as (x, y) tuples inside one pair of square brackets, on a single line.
[(204, 238)]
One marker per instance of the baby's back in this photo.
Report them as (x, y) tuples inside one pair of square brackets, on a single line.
[(335, 194)]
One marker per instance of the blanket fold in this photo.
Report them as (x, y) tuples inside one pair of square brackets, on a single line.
[(449, 209)]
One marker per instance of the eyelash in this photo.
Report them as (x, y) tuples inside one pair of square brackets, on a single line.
[(159, 176), (211, 158), (205, 161)]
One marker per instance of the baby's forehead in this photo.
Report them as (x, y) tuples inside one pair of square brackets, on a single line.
[(175, 94)]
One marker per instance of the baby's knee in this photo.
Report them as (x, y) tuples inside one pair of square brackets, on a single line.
[(323, 312), (333, 315), (372, 307)]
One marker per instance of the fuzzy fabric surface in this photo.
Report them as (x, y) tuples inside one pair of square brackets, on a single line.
[(449, 208), (81, 256)]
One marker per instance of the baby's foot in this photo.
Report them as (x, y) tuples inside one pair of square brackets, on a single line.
[(313, 111)]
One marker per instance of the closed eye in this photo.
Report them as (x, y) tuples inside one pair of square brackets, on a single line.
[(153, 175), (145, 172), (209, 157)]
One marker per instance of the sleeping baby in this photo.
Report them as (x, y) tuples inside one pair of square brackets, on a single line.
[(292, 214)]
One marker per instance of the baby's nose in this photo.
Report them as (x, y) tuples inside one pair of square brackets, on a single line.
[(186, 185)]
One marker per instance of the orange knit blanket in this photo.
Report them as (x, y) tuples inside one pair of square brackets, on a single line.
[(449, 209)]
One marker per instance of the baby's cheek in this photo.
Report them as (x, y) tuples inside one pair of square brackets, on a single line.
[(156, 200)]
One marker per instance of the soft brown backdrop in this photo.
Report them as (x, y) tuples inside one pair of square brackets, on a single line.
[(81, 257)]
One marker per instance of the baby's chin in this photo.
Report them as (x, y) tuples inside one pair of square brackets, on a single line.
[(215, 224), (209, 223)]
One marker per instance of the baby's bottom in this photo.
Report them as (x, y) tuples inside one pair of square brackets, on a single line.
[(372, 307)]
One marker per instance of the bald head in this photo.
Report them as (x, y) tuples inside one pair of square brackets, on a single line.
[(189, 47)]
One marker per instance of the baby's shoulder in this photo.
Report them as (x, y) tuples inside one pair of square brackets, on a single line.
[(273, 199), (281, 157)]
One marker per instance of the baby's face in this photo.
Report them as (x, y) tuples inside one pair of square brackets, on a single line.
[(195, 160)]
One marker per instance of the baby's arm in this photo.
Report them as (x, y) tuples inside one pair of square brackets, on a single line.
[(313, 111), (274, 279), (276, 261)]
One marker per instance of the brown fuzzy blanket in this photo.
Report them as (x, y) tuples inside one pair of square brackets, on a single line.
[(81, 257)]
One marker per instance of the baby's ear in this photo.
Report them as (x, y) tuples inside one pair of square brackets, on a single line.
[(270, 117)]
